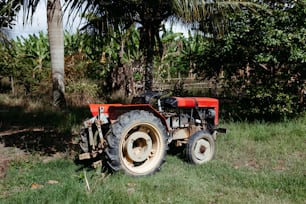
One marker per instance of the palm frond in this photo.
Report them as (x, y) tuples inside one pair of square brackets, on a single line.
[(29, 8), (212, 16), (190, 11)]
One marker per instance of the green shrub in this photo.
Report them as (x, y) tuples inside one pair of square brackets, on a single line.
[(82, 92)]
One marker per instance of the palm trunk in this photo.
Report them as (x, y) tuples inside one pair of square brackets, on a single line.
[(149, 37), (56, 41), (149, 43), (149, 69)]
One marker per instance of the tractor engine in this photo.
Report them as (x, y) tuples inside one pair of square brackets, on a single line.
[(187, 115)]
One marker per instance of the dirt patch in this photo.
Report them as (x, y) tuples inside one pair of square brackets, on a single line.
[(8, 154), (32, 127), (21, 143)]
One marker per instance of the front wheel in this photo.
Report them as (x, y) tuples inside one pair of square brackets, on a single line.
[(200, 148), (136, 143)]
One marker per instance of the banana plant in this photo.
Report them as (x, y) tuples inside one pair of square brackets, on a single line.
[(172, 48), (36, 49), (131, 50)]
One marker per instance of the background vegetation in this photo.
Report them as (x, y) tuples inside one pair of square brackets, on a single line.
[(257, 59)]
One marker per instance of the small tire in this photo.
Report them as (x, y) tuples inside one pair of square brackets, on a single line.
[(200, 148), (136, 144)]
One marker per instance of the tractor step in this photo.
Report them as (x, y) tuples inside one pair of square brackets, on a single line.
[(84, 156), (90, 155)]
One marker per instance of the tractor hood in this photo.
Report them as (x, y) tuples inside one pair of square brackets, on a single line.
[(190, 102)]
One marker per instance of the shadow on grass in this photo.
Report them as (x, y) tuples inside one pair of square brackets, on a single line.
[(45, 142), (43, 131)]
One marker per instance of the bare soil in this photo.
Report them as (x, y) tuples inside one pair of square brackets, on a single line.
[(16, 144)]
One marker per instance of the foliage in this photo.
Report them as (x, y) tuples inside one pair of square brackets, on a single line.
[(27, 60), (117, 17), (263, 60), (8, 12), (262, 56), (167, 63), (109, 17), (81, 59), (82, 91), (114, 54)]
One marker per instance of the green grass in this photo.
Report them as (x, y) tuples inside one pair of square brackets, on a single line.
[(255, 163)]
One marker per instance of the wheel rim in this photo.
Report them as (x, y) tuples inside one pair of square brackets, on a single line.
[(141, 148), (202, 150), (138, 146)]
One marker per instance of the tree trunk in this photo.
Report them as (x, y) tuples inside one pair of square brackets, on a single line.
[(12, 85), (56, 41), (149, 69), (149, 35), (148, 43)]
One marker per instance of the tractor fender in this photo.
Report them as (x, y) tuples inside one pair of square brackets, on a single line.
[(115, 111), (94, 108)]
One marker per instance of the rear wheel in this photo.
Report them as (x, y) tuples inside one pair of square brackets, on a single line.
[(200, 148), (136, 143)]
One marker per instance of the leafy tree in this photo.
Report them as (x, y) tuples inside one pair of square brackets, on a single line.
[(263, 58), (8, 12)]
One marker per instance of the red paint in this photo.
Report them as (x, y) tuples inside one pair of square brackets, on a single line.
[(94, 108), (185, 102), (200, 102)]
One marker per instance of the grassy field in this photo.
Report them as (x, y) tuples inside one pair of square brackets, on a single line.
[(255, 163)]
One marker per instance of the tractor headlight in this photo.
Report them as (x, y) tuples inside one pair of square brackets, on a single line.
[(210, 114)]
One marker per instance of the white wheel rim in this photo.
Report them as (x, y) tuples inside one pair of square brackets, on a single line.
[(202, 150), (153, 150), (138, 146)]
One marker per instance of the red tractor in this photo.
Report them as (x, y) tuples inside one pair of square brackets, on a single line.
[(134, 138)]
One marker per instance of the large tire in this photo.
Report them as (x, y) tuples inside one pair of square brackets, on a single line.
[(200, 148), (136, 144)]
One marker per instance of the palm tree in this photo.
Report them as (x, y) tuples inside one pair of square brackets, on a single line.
[(150, 14), (56, 41), (122, 14)]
